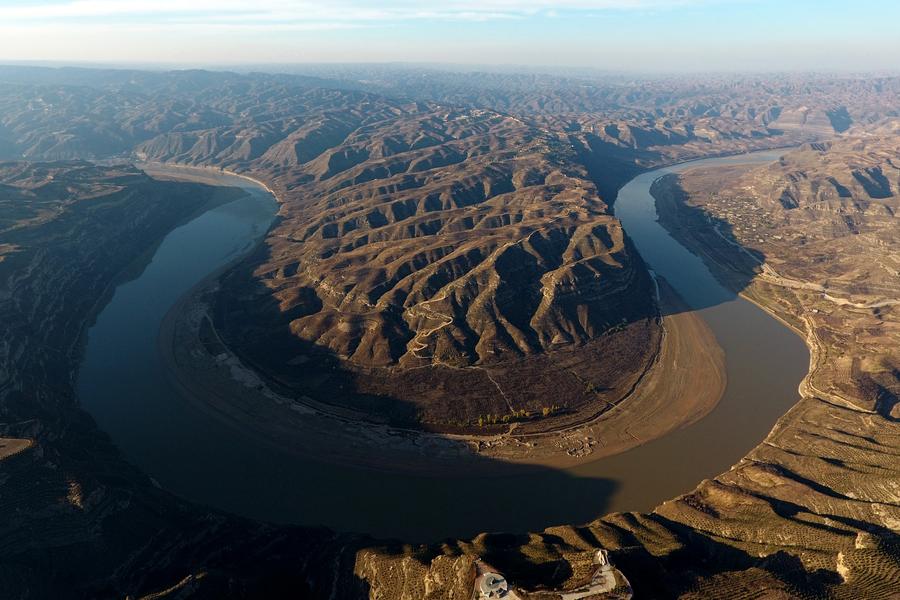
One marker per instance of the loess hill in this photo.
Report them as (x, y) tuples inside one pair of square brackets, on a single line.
[(397, 174), (824, 220), (445, 254), (813, 239), (458, 247)]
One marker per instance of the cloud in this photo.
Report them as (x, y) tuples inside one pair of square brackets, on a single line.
[(287, 12)]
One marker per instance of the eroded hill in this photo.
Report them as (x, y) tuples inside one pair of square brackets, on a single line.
[(811, 511), (464, 242), (819, 230)]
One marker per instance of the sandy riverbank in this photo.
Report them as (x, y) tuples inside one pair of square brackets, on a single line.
[(684, 383), (12, 446)]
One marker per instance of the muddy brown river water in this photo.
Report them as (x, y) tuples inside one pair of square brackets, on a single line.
[(122, 383)]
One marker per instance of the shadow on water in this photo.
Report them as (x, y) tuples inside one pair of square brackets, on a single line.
[(122, 383), (686, 272), (252, 324), (491, 496), (637, 211)]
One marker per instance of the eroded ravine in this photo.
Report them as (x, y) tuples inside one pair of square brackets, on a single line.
[(123, 384)]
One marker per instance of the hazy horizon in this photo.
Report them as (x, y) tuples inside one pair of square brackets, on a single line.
[(621, 36), (319, 68)]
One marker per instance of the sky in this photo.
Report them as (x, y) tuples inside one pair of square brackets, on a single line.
[(618, 35)]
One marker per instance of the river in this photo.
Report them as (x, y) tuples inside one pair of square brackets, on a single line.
[(122, 383)]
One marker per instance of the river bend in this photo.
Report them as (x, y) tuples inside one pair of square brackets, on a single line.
[(122, 383)]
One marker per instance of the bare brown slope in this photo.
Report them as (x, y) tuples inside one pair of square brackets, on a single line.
[(814, 510), (678, 559), (823, 241), (462, 241)]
